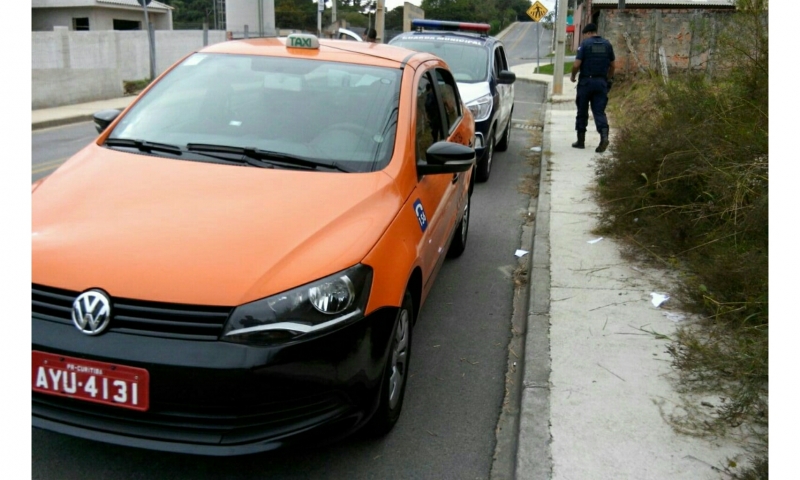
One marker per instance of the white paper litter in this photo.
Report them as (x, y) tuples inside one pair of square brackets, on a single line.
[(521, 253), (536, 149), (658, 299), (595, 240), (675, 317)]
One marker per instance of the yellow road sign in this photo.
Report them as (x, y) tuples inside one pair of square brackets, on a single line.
[(537, 11)]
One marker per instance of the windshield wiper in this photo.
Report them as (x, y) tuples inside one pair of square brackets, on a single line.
[(265, 157), (144, 146)]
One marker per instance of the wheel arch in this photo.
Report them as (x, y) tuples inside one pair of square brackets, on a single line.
[(415, 287)]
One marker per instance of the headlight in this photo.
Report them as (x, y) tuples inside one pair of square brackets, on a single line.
[(481, 107), (319, 306)]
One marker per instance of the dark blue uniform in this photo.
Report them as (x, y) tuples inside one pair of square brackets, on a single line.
[(596, 55)]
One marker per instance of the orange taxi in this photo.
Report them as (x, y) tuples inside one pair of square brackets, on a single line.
[(238, 260)]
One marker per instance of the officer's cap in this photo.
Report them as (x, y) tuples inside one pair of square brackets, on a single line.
[(590, 28)]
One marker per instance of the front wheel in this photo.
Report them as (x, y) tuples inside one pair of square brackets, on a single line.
[(395, 374), (485, 165)]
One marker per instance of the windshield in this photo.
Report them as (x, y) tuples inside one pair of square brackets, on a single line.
[(468, 59), (332, 112)]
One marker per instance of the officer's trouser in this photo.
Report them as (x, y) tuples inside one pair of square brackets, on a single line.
[(594, 91)]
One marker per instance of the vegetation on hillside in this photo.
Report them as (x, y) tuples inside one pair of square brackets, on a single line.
[(687, 184)]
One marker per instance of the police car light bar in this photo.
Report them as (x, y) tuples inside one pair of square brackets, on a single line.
[(420, 23)]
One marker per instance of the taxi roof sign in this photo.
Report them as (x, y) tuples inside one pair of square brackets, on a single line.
[(302, 40)]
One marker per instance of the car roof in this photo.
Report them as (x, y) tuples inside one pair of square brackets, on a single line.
[(346, 51)]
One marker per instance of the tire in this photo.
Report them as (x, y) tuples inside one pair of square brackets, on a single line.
[(503, 145), (395, 375), (485, 165), (459, 242)]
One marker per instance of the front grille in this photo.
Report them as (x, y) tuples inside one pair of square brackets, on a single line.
[(216, 426), (168, 320)]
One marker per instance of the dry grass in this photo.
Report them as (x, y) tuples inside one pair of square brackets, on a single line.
[(686, 184), (133, 87)]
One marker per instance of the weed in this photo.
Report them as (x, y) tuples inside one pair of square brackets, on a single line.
[(686, 184), (133, 87)]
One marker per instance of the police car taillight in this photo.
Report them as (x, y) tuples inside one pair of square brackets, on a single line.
[(421, 24)]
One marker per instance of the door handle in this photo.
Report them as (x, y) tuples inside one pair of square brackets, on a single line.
[(455, 178)]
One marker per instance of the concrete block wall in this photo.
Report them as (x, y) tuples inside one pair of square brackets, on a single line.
[(687, 35), (75, 67)]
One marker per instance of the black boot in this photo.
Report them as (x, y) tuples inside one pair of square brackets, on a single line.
[(581, 139), (603, 141)]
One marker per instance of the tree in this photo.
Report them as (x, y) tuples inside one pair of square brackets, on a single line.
[(394, 19), (190, 14), (297, 14)]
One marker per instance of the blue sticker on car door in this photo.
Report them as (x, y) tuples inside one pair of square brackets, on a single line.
[(419, 211)]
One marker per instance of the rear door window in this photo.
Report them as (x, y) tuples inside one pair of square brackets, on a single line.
[(449, 94)]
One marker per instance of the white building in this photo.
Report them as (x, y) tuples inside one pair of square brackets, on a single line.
[(97, 15), (257, 17)]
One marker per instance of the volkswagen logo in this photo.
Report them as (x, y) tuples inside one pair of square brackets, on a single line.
[(91, 312)]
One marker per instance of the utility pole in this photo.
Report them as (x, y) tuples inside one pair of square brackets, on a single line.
[(150, 35), (260, 18), (333, 11), (561, 27), (379, 18), (553, 42), (320, 8)]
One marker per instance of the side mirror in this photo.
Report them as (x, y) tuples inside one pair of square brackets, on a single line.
[(103, 119), (506, 77), (446, 157)]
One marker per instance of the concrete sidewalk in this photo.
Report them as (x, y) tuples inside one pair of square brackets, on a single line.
[(596, 394)]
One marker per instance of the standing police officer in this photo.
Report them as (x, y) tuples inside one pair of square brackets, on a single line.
[(595, 61)]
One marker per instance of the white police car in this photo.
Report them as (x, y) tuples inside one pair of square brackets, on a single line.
[(480, 67)]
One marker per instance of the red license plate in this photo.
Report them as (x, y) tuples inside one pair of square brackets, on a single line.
[(98, 382)]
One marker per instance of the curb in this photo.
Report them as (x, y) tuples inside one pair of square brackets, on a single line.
[(57, 122), (76, 113), (512, 442), (534, 458)]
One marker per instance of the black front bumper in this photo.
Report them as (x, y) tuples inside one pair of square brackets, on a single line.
[(219, 398)]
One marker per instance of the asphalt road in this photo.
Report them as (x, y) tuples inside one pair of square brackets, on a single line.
[(456, 385), (51, 147), (527, 41)]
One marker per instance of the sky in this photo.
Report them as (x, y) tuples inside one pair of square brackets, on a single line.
[(392, 4)]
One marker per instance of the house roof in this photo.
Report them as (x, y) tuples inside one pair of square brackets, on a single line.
[(134, 3), (154, 5), (668, 3)]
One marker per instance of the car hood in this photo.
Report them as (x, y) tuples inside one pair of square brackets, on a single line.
[(472, 91), (157, 229)]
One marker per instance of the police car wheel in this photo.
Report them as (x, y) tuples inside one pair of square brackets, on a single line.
[(485, 165), (459, 242), (503, 145), (395, 375)]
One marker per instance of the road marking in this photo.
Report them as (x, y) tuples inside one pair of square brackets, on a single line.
[(51, 165)]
